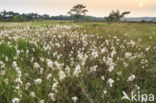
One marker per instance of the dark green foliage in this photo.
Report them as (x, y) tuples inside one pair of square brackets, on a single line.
[(115, 16), (78, 12)]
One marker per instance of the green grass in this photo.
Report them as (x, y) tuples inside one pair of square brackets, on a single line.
[(68, 44)]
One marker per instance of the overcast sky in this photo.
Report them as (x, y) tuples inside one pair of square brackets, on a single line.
[(95, 7)]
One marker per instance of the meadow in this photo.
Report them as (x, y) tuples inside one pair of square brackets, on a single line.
[(66, 62)]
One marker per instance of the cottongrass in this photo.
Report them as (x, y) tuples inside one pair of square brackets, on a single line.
[(64, 63)]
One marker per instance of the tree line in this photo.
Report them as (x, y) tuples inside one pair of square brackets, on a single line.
[(77, 13), (14, 16)]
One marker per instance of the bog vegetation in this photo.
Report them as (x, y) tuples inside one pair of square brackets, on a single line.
[(62, 62)]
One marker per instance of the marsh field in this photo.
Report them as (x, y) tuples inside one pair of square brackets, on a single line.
[(66, 62)]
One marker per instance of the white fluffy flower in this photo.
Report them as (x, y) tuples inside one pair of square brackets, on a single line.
[(148, 48), (27, 86), (36, 65), (103, 50), (38, 81), (49, 63), (61, 75), (77, 70), (131, 78), (54, 87), (49, 76), (111, 67), (93, 68), (52, 96), (128, 55), (67, 69), (42, 101), (2, 65), (18, 80), (74, 99), (2, 72), (110, 82), (104, 92), (14, 64), (102, 77), (15, 100), (42, 59), (95, 54), (32, 94)]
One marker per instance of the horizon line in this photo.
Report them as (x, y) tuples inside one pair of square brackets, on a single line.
[(69, 16)]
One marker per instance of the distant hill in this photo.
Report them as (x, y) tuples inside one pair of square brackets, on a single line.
[(139, 19), (124, 19)]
